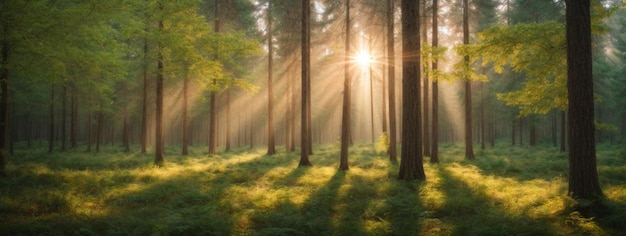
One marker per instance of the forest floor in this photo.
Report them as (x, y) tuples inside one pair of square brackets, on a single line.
[(506, 191)]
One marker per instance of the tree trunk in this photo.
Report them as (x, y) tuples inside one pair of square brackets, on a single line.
[(513, 133), (51, 126), (144, 111), (434, 152), (345, 111), (63, 116), (158, 151), (426, 124), (521, 131), (371, 95), (271, 142), (228, 128), (411, 166), (469, 144), (4, 105), (99, 128), (392, 81), (563, 131), (583, 175), (125, 131), (482, 116), (185, 117), (213, 114), (74, 118), (306, 67)]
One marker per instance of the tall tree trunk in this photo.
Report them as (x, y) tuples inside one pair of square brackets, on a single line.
[(185, 117), (521, 131), (74, 118), (4, 104), (434, 152), (51, 126), (583, 175), (292, 116), (371, 96), (213, 114), (392, 81), (411, 166), (513, 133), (271, 142), (144, 111), (306, 67), (63, 116), (89, 130), (425, 95), (345, 111), (469, 144), (384, 91), (158, 151)]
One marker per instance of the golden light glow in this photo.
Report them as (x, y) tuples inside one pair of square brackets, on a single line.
[(363, 58)]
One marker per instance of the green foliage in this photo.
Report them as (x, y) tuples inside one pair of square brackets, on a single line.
[(508, 190), (382, 144)]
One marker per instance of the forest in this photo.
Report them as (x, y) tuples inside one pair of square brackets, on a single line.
[(313, 117)]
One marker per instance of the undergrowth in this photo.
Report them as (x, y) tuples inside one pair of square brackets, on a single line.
[(506, 191)]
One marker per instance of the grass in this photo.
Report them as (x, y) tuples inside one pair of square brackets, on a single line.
[(506, 191)]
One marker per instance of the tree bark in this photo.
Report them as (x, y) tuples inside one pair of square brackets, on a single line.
[(51, 125), (583, 176), (345, 111), (63, 117), (74, 118), (434, 151), (425, 95), (271, 142), (4, 105), (158, 151), (411, 166), (469, 149), (185, 127), (228, 128), (392, 81), (306, 67), (144, 108)]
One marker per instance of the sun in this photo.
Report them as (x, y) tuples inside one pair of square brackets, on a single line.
[(363, 58)]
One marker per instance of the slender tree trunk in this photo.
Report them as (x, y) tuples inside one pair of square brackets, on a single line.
[(482, 116), (158, 151), (185, 116), (345, 112), (213, 115), (384, 91), (99, 128), (392, 81), (553, 128), (425, 95), (51, 126), (306, 67), (89, 130), (271, 142), (583, 175), (74, 118), (4, 104), (228, 128), (63, 117), (371, 97), (521, 131), (513, 133), (563, 131), (144, 111), (411, 167), (292, 116), (469, 144), (125, 131), (434, 152)]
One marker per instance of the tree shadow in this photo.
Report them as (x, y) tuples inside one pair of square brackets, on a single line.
[(471, 211)]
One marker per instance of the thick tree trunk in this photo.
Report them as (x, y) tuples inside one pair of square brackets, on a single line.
[(411, 166), (583, 175), (306, 67), (345, 111), (469, 144), (434, 152), (392, 81)]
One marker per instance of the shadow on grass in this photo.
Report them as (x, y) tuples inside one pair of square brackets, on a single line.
[(472, 212)]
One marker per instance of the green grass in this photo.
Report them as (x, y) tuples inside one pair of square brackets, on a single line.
[(506, 191)]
